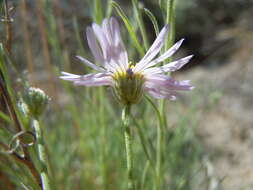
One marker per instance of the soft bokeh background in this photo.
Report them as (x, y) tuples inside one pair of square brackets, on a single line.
[(210, 131)]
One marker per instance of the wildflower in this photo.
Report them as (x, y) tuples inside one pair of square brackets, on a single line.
[(129, 80)]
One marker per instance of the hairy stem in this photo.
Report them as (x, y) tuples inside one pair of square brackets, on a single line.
[(42, 156)]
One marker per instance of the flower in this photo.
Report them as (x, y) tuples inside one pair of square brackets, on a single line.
[(130, 80)]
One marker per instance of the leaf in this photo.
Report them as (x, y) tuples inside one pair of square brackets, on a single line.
[(138, 15), (5, 117), (153, 20), (129, 27)]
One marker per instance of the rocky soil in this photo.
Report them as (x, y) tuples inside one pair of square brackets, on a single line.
[(226, 124)]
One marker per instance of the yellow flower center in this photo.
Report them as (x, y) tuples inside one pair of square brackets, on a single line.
[(128, 86)]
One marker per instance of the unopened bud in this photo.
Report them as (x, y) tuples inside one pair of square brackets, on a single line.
[(36, 101)]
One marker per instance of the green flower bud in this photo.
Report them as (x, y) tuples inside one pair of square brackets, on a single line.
[(36, 101)]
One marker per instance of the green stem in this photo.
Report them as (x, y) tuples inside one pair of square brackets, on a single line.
[(153, 20), (109, 8), (128, 143), (159, 156), (159, 145), (129, 27), (170, 19), (143, 143), (98, 11), (42, 156), (144, 175), (138, 13), (103, 138)]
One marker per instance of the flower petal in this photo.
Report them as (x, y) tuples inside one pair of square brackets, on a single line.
[(165, 55), (69, 76), (170, 67), (115, 30), (168, 83), (100, 34), (107, 30), (153, 50), (103, 81), (116, 52), (98, 79), (96, 51), (101, 38), (158, 94), (88, 63), (108, 35), (163, 86)]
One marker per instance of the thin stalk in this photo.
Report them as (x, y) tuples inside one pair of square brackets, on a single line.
[(144, 175), (170, 19), (103, 139), (159, 156), (159, 144), (7, 94), (26, 160), (8, 21), (160, 3), (143, 143), (140, 22), (109, 8), (153, 20), (98, 13), (129, 27), (78, 37), (128, 143), (42, 156)]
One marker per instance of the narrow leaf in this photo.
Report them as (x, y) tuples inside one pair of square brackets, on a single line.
[(129, 28)]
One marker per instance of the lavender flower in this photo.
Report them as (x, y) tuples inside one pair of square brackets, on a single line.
[(130, 80)]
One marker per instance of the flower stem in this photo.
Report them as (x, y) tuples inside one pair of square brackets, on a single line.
[(127, 133), (143, 143), (138, 13), (159, 145), (170, 18), (159, 155), (103, 139), (42, 156)]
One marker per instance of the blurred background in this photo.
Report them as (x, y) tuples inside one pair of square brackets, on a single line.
[(210, 138)]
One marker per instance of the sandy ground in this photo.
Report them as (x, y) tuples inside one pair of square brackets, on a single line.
[(226, 127)]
